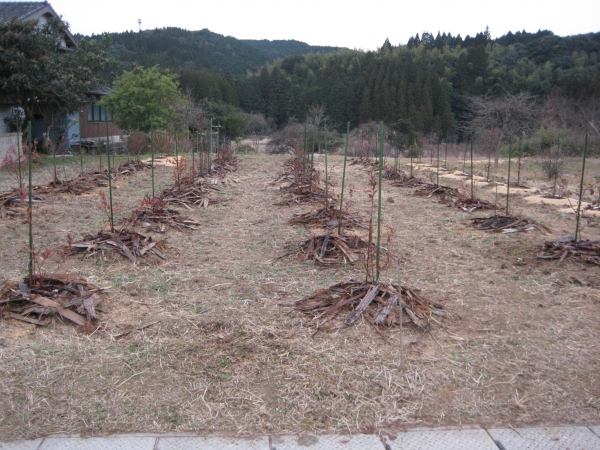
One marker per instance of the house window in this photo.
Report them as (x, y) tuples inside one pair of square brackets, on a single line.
[(97, 113)]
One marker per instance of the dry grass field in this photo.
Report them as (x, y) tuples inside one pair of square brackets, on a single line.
[(519, 344)]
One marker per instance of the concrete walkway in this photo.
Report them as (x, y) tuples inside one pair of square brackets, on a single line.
[(474, 438)]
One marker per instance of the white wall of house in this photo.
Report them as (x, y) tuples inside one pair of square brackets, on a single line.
[(8, 140), (4, 111)]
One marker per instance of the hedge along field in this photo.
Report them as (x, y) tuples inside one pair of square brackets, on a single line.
[(199, 341)]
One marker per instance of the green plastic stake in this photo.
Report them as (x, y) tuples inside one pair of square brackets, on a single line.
[(326, 176), (508, 179), (152, 146), (343, 178), (304, 153), (19, 150), (312, 157), (400, 309), (437, 183), (194, 150), (110, 198), (377, 268), (30, 205), (177, 161), (581, 188), (472, 198)]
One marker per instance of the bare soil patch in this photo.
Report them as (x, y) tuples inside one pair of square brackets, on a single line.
[(199, 342)]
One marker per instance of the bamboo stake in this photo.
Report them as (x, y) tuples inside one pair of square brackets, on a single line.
[(472, 197), (437, 183), (30, 207), (304, 153), (152, 147), (326, 176), (508, 178), (343, 178), (312, 158), (581, 188), (19, 149), (110, 197), (177, 161), (194, 150), (377, 267), (400, 310)]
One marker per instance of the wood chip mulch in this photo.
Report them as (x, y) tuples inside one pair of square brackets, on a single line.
[(378, 304), (48, 296), (507, 224), (565, 247), (126, 242)]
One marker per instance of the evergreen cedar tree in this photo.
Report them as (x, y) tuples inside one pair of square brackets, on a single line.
[(427, 81)]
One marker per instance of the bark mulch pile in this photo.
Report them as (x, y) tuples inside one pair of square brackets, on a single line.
[(391, 173), (18, 197), (378, 304), (588, 251), (76, 186), (328, 218), (128, 243), (327, 250), (190, 194), (409, 182), (367, 163), (225, 163), (453, 198), (302, 194), (154, 215), (507, 224), (48, 296), (129, 168)]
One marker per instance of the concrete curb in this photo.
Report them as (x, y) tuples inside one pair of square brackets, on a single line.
[(464, 438)]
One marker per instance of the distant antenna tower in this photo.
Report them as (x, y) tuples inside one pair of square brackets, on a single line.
[(140, 24)]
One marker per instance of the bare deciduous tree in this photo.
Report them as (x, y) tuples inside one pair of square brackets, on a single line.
[(510, 115)]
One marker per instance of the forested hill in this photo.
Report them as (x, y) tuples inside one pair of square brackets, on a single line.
[(175, 48), (282, 48), (427, 81)]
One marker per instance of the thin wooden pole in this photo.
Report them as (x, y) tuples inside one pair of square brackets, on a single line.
[(581, 188), (343, 178)]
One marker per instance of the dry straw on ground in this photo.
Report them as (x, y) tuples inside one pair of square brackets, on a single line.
[(198, 342)]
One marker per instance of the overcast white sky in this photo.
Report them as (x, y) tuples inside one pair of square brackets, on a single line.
[(354, 24)]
